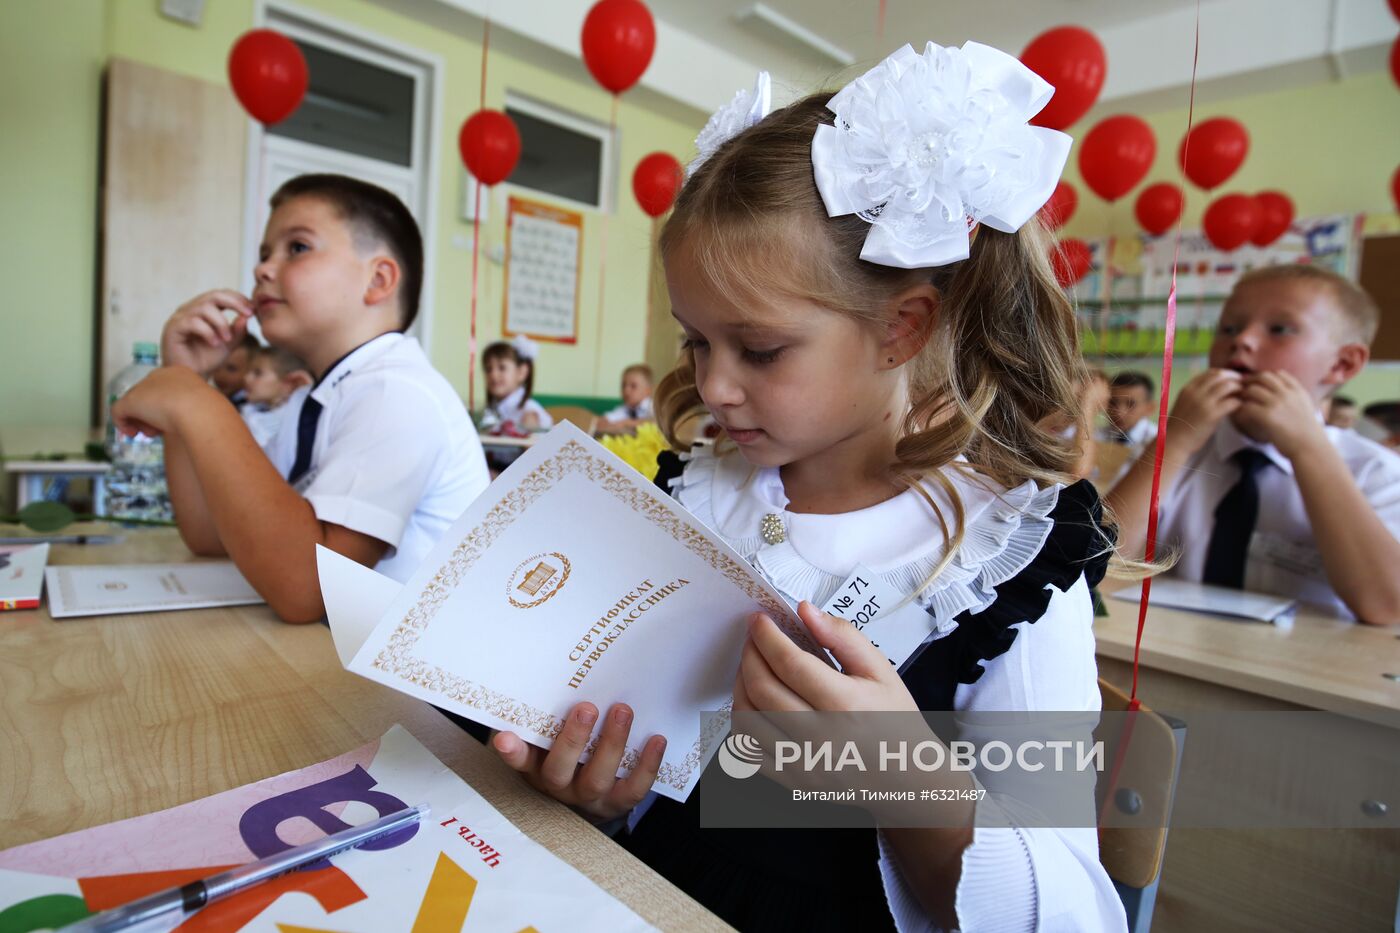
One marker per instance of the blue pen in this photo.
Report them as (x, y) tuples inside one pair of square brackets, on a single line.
[(185, 900)]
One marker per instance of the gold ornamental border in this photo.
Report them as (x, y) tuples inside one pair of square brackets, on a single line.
[(398, 658)]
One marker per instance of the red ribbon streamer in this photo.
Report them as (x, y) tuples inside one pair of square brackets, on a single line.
[(1168, 352)]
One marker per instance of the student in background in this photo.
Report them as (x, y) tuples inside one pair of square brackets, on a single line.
[(1342, 412), (1257, 492), (273, 375), (374, 462), (231, 376), (510, 381), (1130, 410), (636, 402)]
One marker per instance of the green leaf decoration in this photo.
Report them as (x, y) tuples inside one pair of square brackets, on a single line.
[(46, 516)]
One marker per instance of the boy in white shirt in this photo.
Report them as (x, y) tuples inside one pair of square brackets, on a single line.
[(374, 461), (1131, 412), (273, 375), (635, 409), (1257, 492)]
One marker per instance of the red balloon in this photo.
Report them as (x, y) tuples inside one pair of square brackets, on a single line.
[(1275, 214), (618, 39), (1231, 220), (656, 182), (1072, 60), (1218, 148), (1395, 8), (1116, 155), (268, 74), (1158, 207), (1072, 260), (1060, 208), (490, 146)]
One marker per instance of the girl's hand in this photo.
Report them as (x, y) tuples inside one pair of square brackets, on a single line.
[(198, 335), (777, 676), (1203, 403), (593, 787)]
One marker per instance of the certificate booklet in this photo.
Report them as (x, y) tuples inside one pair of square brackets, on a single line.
[(1216, 600), (107, 589), (571, 578), (464, 867), (22, 575)]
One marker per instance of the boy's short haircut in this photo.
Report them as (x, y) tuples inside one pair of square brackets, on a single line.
[(1358, 313), (249, 343), (642, 368), (282, 361), (1344, 400), (375, 214), (1131, 378)]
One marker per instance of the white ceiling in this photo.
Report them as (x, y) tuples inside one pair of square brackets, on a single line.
[(706, 49)]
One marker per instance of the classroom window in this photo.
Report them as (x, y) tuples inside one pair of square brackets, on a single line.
[(353, 106), (561, 154)]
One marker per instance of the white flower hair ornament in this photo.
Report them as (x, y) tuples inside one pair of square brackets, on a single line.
[(926, 146), (524, 347), (746, 109)]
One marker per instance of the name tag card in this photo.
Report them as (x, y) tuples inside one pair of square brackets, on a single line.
[(894, 623), (571, 578)]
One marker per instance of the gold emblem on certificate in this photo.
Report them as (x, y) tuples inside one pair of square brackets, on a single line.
[(536, 579)]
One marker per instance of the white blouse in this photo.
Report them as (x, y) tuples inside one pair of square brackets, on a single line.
[(1013, 878), (512, 408)]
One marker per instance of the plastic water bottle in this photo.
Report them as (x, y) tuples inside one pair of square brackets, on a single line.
[(136, 484)]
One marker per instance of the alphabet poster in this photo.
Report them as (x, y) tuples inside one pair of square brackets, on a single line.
[(464, 867), (543, 259)]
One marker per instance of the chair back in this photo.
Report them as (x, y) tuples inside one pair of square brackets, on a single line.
[(1135, 798), (576, 415)]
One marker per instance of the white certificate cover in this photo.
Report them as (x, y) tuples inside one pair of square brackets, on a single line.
[(107, 589), (571, 578)]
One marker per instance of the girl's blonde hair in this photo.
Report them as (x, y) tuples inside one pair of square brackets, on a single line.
[(1004, 351)]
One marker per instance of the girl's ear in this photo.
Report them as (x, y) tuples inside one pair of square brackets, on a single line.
[(915, 312), (1351, 359)]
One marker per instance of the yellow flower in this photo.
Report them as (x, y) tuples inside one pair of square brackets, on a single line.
[(639, 450)]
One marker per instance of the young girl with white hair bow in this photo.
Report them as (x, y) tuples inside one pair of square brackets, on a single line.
[(510, 381), (870, 313)]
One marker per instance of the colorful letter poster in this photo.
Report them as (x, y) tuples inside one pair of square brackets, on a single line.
[(464, 868)]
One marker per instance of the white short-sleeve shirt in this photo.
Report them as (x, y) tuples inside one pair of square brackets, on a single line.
[(623, 413), (1283, 557), (395, 455)]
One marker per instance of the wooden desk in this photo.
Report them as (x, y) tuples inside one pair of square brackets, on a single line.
[(107, 718), (1343, 879)]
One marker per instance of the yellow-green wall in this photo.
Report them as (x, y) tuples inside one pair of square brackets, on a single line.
[(49, 80), (50, 143), (1332, 147)]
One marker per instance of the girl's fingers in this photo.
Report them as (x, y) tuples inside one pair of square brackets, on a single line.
[(780, 688), (630, 791), (557, 771), (597, 777), (855, 653), (516, 752)]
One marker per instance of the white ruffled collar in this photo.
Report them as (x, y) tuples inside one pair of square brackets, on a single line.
[(900, 539)]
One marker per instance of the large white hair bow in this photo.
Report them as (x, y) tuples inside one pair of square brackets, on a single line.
[(524, 347), (925, 146), (746, 109)]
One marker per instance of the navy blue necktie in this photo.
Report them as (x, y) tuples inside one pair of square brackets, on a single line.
[(1235, 518), (306, 438)]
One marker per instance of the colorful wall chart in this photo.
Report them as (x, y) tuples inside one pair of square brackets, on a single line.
[(543, 256)]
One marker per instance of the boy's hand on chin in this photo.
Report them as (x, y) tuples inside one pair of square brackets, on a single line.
[(199, 335), (151, 406), (1275, 408)]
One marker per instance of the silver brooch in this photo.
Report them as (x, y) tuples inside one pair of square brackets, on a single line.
[(772, 529)]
